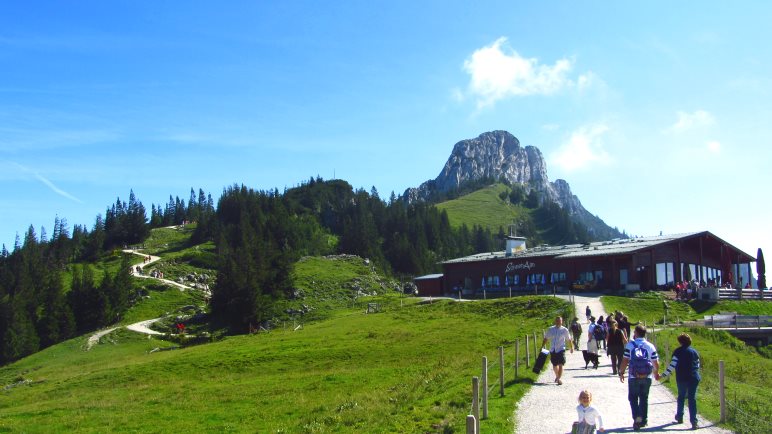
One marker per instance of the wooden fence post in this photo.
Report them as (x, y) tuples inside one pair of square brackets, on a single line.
[(485, 387), (471, 424), (517, 357), (476, 402), (501, 370), (527, 352), (721, 390), (535, 350)]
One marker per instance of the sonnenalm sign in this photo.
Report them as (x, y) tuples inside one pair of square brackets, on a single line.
[(523, 266)]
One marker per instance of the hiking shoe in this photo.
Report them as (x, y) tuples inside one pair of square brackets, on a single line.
[(694, 426), (560, 383), (636, 426), (679, 419)]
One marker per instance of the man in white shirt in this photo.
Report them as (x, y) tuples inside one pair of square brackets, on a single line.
[(558, 336)]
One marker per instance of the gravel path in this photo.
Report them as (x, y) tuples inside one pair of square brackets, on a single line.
[(93, 339), (142, 326), (549, 408)]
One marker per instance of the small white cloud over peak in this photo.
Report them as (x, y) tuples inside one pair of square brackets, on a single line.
[(497, 72), (689, 121), (583, 149), (714, 146)]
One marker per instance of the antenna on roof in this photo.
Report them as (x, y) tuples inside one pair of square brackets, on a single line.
[(513, 228)]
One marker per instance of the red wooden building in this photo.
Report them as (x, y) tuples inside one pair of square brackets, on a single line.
[(634, 263)]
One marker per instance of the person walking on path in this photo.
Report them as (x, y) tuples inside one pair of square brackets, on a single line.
[(592, 343), (616, 346), (558, 336), (643, 360), (600, 332), (686, 363), (587, 415), (588, 312), (576, 331)]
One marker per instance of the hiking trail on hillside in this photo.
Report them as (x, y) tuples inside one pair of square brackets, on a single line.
[(141, 326)]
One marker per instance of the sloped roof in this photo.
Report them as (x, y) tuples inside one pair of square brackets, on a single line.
[(618, 246), (429, 277)]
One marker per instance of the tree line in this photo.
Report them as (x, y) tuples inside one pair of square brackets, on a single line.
[(37, 310), (258, 234)]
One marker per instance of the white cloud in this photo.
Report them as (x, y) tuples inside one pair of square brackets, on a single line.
[(714, 146), (582, 149), (497, 72), (688, 121)]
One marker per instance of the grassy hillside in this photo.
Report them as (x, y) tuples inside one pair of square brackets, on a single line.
[(406, 369), (485, 208), (650, 307), (323, 285)]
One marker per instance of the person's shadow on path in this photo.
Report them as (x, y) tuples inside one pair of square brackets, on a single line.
[(668, 427)]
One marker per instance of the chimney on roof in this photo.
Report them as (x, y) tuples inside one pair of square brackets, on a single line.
[(515, 244)]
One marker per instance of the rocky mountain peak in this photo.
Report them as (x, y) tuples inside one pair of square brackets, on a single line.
[(499, 155)]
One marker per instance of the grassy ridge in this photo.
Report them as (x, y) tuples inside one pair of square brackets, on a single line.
[(484, 208), (403, 370)]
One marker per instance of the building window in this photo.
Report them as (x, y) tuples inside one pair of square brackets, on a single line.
[(586, 276), (623, 278), (557, 277), (665, 275)]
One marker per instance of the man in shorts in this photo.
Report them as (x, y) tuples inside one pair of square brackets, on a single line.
[(558, 336)]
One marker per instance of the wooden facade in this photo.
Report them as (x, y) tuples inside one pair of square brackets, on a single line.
[(640, 263)]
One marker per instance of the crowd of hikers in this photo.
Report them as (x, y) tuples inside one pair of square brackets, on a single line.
[(633, 359)]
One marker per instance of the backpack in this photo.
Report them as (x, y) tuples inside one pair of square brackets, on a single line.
[(640, 363), (599, 333)]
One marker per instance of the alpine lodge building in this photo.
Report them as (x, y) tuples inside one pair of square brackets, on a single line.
[(642, 263)]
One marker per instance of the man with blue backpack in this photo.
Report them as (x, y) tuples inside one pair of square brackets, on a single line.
[(641, 356)]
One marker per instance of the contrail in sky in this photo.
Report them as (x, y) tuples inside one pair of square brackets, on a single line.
[(48, 183)]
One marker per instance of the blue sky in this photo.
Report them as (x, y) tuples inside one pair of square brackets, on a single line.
[(657, 114)]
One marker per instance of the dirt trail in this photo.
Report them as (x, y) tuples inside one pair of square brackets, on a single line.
[(549, 408), (93, 339), (142, 326)]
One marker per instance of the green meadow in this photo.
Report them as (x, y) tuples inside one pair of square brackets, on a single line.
[(484, 208), (405, 369)]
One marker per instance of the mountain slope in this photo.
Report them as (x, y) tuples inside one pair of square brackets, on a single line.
[(497, 155), (484, 208)]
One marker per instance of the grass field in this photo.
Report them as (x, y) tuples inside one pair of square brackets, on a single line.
[(652, 307), (484, 208), (405, 369)]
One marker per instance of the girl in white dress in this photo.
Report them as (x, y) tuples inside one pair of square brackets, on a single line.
[(588, 416)]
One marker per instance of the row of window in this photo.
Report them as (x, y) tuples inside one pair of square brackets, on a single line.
[(511, 279)]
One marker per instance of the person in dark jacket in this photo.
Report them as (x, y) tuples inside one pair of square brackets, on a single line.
[(617, 339), (686, 363)]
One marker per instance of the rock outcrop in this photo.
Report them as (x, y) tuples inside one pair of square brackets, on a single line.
[(498, 155)]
